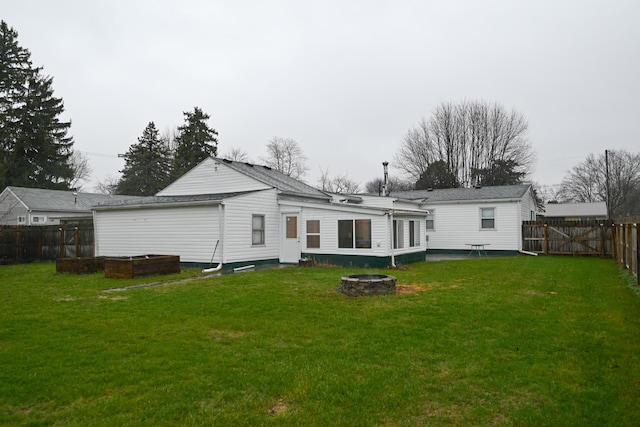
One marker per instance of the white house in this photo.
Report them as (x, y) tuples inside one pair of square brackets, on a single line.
[(35, 206), (235, 214), (489, 216), (576, 211)]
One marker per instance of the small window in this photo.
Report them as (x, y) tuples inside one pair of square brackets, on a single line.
[(22, 219), (488, 219), (313, 233), (292, 227), (38, 219), (398, 234), (257, 229), (431, 220), (414, 233)]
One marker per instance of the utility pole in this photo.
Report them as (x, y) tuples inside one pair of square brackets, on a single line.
[(606, 167)]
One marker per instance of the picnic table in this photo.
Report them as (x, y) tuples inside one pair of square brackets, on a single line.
[(479, 248)]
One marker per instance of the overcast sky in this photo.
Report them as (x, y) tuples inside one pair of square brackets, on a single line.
[(345, 79)]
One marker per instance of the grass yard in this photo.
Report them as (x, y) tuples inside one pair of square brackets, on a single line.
[(540, 341)]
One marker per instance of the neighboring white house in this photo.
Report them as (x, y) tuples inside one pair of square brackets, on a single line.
[(460, 217), (235, 214), (34, 206)]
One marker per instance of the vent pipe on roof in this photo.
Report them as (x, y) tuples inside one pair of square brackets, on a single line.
[(386, 175)]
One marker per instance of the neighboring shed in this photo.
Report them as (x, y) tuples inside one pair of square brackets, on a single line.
[(34, 206), (459, 217), (575, 211), (252, 214)]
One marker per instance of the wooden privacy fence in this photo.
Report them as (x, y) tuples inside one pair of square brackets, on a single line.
[(609, 239), (627, 245), (22, 244), (568, 237)]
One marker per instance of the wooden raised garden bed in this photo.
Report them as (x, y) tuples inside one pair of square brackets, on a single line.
[(141, 265), (82, 265)]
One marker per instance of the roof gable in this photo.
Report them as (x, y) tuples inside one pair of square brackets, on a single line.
[(214, 175), (273, 178)]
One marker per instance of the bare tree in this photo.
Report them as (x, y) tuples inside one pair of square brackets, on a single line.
[(108, 185), (169, 137), (81, 169), (471, 138), (236, 154), (286, 156), (393, 184), (548, 193), (340, 184), (587, 182), (416, 151)]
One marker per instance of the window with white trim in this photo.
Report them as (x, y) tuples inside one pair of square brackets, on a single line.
[(313, 233), (487, 218), (398, 234), (414, 233), (257, 229), (22, 219), (354, 233), (431, 220)]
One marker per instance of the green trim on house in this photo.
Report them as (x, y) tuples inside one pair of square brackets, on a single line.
[(467, 252), (364, 260), (232, 265)]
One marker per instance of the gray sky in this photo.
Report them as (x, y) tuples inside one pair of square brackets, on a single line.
[(345, 79)]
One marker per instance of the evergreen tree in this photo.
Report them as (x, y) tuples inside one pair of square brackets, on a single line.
[(35, 148), (147, 165), (195, 142), (501, 172), (437, 175)]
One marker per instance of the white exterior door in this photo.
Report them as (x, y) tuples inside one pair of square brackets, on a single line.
[(290, 246)]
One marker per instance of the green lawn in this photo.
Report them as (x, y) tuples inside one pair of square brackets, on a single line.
[(505, 341)]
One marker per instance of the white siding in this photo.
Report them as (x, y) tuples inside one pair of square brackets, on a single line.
[(238, 213), (380, 232), (211, 177), (329, 232), (459, 224), (528, 205), (190, 232)]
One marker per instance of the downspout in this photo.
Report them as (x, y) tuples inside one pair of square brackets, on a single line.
[(221, 239), (221, 221), (393, 256), (95, 234)]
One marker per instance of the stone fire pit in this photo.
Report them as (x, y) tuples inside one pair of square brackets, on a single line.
[(357, 285)]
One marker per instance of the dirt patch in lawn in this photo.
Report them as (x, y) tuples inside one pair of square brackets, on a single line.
[(408, 289)]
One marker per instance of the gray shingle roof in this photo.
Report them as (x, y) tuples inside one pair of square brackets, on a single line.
[(274, 178), (597, 209), (500, 192), (160, 200), (61, 201)]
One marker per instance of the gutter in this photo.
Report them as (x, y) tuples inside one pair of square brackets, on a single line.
[(156, 205)]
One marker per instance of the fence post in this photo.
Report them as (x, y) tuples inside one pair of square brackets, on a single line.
[(637, 246), (61, 251), (77, 237), (545, 247), (18, 244)]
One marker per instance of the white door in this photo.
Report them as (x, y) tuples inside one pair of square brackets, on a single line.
[(290, 247)]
